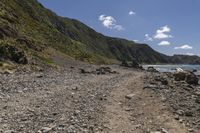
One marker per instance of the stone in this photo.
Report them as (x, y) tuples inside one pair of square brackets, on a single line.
[(188, 113), (164, 130), (71, 129), (176, 117), (151, 86), (46, 129), (191, 130), (198, 99), (135, 64), (39, 76), (61, 127), (13, 54), (189, 77), (75, 88), (83, 71), (181, 120), (192, 79), (129, 96), (10, 131), (180, 76), (164, 81), (8, 72), (151, 69), (128, 109), (194, 70), (125, 63), (180, 112)]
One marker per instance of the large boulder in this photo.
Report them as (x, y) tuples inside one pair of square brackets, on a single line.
[(135, 64), (180, 75), (13, 53), (125, 63), (162, 79), (192, 79), (187, 76)]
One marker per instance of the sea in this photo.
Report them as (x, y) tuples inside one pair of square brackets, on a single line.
[(172, 68)]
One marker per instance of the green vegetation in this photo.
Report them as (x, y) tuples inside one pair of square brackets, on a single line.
[(30, 29)]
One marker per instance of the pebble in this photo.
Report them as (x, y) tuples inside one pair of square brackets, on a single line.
[(61, 127), (129, 96), (71, 129), (164, 130), (39, 76), (156, 132), (181, 120), (46, 129), (191, 130), (128, 109), (9, 131), (176, 117)]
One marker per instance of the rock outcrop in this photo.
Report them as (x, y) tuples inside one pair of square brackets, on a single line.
[(187, 76), (13, 53)]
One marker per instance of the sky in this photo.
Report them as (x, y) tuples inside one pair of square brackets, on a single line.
[(168, 26)]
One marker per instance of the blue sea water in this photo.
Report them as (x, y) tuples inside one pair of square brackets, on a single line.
[(172, 68)]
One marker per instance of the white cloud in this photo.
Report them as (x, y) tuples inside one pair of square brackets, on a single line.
[(118, 27), (132, 13), (107, 21), (162, 36), (110, 22), (148, 38), (164, 29), (162, 33), (191, 54), (136, 40), (185, 47), (164, 43)]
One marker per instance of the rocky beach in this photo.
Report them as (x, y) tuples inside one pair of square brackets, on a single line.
[(92, 98), (60, 72)]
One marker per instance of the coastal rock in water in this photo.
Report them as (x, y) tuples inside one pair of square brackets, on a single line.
[(133, 64), (194, 70), (151, 69)]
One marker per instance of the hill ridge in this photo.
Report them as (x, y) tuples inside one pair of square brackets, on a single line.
[(31, 29)]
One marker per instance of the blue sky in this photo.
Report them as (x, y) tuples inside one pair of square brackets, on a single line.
[(168, 26)]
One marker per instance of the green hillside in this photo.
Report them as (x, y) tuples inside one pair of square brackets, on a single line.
[(28, 32)]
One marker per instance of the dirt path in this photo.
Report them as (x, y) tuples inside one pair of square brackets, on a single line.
[(70, 102), (141, 112)]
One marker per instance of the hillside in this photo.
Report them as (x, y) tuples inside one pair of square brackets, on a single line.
[(29, 32)]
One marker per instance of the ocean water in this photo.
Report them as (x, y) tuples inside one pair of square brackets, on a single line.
[(172, 68)]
